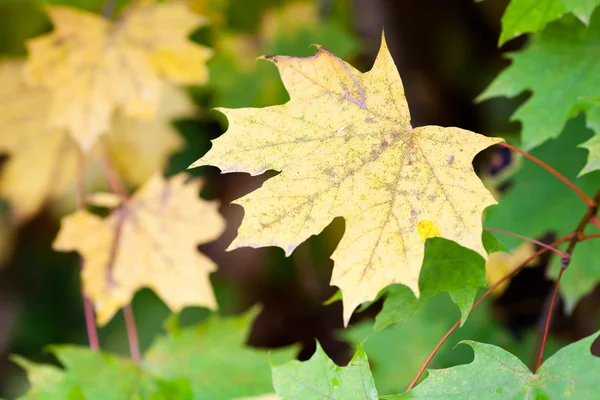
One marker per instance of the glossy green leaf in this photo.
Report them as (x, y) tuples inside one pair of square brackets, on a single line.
[(320, 378)]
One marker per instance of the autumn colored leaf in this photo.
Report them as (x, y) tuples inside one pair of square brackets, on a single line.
[(148, 242), (526, 208), (345, 147), (562, 51), (94, 67), (494, 373), (138, 148), (320, 378), (501, 263)]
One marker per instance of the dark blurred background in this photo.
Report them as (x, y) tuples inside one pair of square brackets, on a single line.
[(446, 52)]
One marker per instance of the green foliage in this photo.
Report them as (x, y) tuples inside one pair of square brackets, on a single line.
[(561, 69), (569, 374), (207, 361), (447, 267), (524, 208), (320, 378)]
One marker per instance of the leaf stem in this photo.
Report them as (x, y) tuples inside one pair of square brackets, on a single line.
[(594, 220), (88, 308), (113, 178), (554, 172), (134, 345), (553, 249), (486, 294)]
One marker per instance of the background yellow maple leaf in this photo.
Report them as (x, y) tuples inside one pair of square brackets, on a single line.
[(138, 148), (345, 147), (94, 67), (148, 242)]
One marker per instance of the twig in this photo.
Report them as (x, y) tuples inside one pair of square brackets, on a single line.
[(134, 345), (88, 308), (594, 220), (553, 249), (554, 172), (576, 237), (486, 294), (113, 179)]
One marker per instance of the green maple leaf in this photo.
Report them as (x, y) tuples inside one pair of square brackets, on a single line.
[(208, 361), (447, 267), (531, 16), (572, 373), (537, 203), (561, 67), (320, 378)]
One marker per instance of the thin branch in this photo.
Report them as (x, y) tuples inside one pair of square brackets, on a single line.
[(549, 318), (594, 220), (134, 345), (553, 249), (88, 308), (113, 179), (486, 294), (554, 172)]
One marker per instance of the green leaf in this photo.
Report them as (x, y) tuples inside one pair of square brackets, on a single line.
[(532, 16), (207, 361), (528, 16), (537, 203), (447, 267), (593, 161), (213, 358), (320, 378), (87, 375), (561, 66), (572, 373)]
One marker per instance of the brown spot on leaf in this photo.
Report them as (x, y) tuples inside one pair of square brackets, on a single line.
[(384, 144), (450, 160)]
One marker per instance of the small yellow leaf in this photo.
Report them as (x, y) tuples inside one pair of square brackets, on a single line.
[(149, 242), (138, 149), (499, 264), (345, 148), (94, 67)]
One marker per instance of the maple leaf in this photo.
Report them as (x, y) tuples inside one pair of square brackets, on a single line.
[(320, 378), (138, 148), (563, 52), (593, 146), (530, 16), (94, 67), (494, 373), (345, 147), (148, 242)]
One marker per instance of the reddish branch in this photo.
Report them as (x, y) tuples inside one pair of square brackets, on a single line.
[(88, 308), (554, 172), (553, 249)]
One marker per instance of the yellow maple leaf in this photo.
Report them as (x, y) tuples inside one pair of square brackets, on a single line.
[(500, 263), (95, 67), (138, 148), (148, 242), (345, 148)]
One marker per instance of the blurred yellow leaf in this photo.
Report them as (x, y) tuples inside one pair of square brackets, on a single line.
[(499, 264), (149, 242), (345, 148), (214, 9), (138, 148), (95, 67)]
